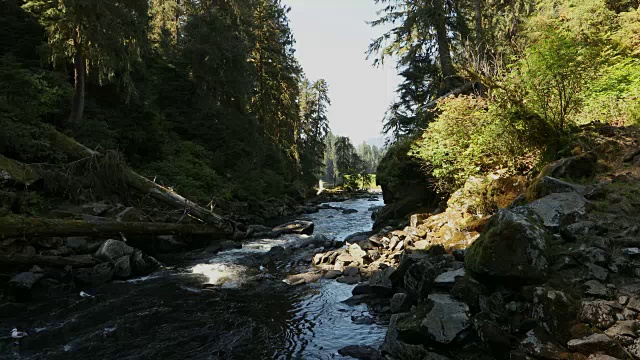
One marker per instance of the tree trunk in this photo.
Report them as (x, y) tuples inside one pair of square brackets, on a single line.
[(79, 66), (33, 228), (444, 51), (480, 44)]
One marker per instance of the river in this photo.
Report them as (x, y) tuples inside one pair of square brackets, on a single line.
[(207, 306)]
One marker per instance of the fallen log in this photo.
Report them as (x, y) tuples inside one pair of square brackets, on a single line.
[(17, 172), (72, 148), (31, 227), (55, 261)]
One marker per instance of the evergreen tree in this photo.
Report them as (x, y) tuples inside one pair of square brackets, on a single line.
[(104, 37)]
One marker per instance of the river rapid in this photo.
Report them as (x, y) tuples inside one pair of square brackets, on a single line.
[(229, 305)]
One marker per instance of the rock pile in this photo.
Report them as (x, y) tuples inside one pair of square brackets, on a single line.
[(554, 275)]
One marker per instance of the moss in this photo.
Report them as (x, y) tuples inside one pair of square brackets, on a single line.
[(16, 171)]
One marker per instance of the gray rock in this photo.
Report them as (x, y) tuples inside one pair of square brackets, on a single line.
[(560, 208), (359, 255), (97, 275), (512, 245), (634, 304), (361, 352), (418, 278), (361, 289), (79, 245), (96, 209), (112, 250), (380, 282), (122, 267), (596, 288), (548, 185), (400, 302), (594, 255), (446, 320), (296, 227), (624, 332), (350, 280), (597, 272), (599, 313), (579, 230), (601, 357), (25, 280), (574, 167), (597, 343), (332, 274), (539, 344), (351, 271), (449, 278), (554, 311), (349, 211)]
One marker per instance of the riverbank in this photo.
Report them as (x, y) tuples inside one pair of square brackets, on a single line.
[(550, 270), (263, 300)]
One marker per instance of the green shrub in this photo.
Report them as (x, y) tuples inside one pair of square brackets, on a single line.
[(614, 97), (470, 137)]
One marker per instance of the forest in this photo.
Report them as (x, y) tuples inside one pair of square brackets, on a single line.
[(204, 97)]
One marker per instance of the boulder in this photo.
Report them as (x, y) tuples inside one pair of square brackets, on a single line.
[(361, 352), (380, 282), (349, 211), (446, 320), (596, 288), (122, 267), (574, 167), (560, 209), (112, 250), (419, 277), (513, 245), (548, 185), (349, 280), (351, 271), (358, 254), (25, 280), (96, 275), (580, 230), (332, 274), (295, 227), (400, 302), (599, 313), (554, 311), (597, 343)]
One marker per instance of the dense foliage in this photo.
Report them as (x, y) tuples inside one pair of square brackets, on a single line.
[(521, 90), (205, 97)]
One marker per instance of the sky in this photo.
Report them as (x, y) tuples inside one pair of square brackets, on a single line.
[(332, 37)]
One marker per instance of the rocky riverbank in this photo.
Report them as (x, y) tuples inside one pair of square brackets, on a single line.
[(553, 273)]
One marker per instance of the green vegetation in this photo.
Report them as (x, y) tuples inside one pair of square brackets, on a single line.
[(204, 97), (349, 166), (516, 91)]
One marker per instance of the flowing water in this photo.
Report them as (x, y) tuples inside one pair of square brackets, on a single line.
[(222, 306)]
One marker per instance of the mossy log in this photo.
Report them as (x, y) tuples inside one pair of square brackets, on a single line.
[(17, 172), (72, 148), (55, 261), (31, 227)]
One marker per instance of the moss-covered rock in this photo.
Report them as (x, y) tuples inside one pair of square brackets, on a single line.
[(514, 245)]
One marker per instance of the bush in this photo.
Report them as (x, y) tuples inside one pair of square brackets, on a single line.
[(470, 137)]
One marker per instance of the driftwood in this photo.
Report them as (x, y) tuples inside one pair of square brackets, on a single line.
[(30, 227), (56, 261)]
